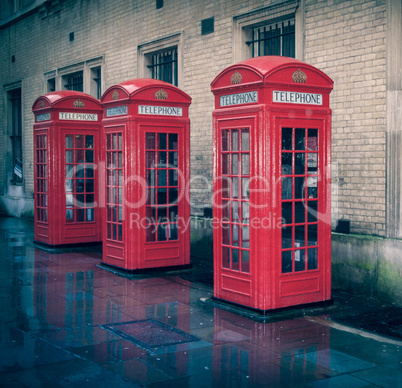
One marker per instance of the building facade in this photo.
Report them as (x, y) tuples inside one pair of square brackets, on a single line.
[(88, 45)]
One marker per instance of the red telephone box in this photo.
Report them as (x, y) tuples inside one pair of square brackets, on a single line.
[(272, 142), (146, 142), (66, 155)]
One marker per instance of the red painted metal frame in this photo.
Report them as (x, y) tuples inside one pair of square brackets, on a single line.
[(128, 248), (49, 131), (278, 276)]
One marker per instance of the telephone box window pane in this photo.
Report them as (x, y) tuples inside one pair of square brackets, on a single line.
[(173, 178), (286, 163), (245, 236), (225, 164), (300, 139), (300, 236), (312, 183), (89, 141), (150, 141), (312, 235), (287, 212), (225, 140), (286, 261), (162, 141), (299, 212), (225, 234), (69, 156), (245, 140), (245, 184), (69, 215), (150, 159), (162, 232), (235, 235), (225, 257), (245, 261), (287, 139), (80, 215), (225, 188), (312, 259), (235, 139), (162, 196), (173, 213), (235, 164), (299, 188), (69, 141), (173, 144), (173, 159), (225, 211), (162, 214), (287, 188), (162, 159), (245, 164), (90, 215), (312, 211), (312, 143), (235, 211), (162, 181), (173, 195), (287, 237), (235, 260), (300, 260), (174, 232), (150, 214), (299, 164), (79, 141), (245, 212), (235, 187)]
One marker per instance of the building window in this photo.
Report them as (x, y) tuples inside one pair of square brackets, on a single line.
[(15, 131), (273, 39), (74, 81), (96, 84), (273, 30), (163, 66), (161, 59)]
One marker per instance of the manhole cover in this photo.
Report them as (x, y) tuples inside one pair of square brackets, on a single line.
[(150, 333)]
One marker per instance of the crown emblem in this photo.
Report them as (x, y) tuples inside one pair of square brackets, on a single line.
[(161, 95), (42, 104), (115, 95), (78, 104), (236, 78), (299, 77)]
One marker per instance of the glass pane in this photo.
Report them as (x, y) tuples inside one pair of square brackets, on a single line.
[(286, 138), (300, 140), (109, 142), (79, 156), (245, 236), (235, 140), (150, 141), (225, 140), (245, 212), (235, 164), (151, 197), (312, 235), (173, 232), (287, 237), (150, 177), (173, 195), (299, 164), (150, 233), (235, 211), (173, 159), (287, 188), (312, 258), (235, 235), (162, 159), (312, 163), (312, 211), (70, 156), (235, 260), (225, 164), (287, 212), (150, 159), (162, 196), (245, 185), (235, 187), (162, 141), (173, 178), (300, 236), (245, 146), (162, 181), (286, 261), (69, 215), (150, 215), (162, 214), (300, 260), (226, 234), (245, 164), (312, 142), (162, 232), (69, 141), (299, 188), (80, 213), (286, 163), (245, 261), (79, 141), (90, 214), (89, 156), (89, 141), (225, 188), (225, 257), (173, 214), (299, 212), (79, 186), (173, 145), (312, 183)]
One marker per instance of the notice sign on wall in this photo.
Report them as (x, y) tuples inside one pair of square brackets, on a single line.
[(296, 97)]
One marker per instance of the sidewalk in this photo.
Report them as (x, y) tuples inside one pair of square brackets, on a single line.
[(65, 322)]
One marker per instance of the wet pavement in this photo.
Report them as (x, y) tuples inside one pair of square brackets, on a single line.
[(65, 322)]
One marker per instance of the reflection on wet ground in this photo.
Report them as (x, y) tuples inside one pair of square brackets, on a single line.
[(65, 322)]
